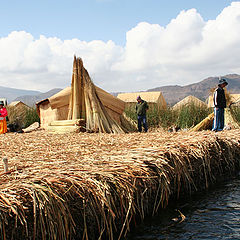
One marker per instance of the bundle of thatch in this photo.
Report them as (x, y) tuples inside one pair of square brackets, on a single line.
[(86, 107), (206, 124)]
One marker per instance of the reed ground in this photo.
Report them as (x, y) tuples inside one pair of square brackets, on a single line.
[(93, 185)]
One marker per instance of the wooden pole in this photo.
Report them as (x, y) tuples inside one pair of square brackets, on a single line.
[(5, 164)]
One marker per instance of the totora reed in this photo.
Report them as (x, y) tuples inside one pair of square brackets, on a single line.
[(97, 186)]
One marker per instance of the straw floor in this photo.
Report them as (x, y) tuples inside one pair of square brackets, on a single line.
[(96, 186)]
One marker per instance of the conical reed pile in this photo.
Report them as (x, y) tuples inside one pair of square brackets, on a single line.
[(85, 103), (91, 186)]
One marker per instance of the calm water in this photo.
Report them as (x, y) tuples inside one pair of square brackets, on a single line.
[(211, 215)]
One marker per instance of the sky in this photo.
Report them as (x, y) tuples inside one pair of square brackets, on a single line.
[(126, 45)]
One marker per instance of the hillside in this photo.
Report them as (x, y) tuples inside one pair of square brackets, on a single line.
[(201, 90), (13, 93), (172, 93), (31, 100)]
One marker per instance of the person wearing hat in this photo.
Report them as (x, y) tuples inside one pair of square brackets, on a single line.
[(219, 101), (3, 114), (141, 110)]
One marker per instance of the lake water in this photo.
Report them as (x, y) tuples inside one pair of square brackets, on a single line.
[(210, 215)]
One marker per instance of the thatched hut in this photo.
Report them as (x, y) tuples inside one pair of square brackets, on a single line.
[(56, 107), (188, 101), (17, 111), (231, 99), (83, 107), (19, 106), (152, 98)]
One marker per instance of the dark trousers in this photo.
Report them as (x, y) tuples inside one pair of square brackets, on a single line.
[(142, 120), (218, 122)]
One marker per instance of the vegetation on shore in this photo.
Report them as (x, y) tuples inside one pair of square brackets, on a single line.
[(236, 112), (185, 117), (23, 118)]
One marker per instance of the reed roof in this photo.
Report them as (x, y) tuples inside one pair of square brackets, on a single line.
[(187, 101), (18, 103), (151, 97)]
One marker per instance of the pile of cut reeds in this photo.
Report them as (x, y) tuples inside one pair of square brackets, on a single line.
[(86, 104), (81, 186)]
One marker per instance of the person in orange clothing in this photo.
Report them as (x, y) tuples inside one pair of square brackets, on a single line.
[(3, 114)]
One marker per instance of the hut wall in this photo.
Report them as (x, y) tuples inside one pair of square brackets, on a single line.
[(62, 113), (47, 114)]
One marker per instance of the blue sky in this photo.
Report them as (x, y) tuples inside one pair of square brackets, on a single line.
[(95, 19), (126, 45)]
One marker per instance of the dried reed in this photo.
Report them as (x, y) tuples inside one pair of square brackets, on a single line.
[(85, 103), (81, 186)]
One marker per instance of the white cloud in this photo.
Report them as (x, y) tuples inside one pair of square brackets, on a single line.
[(186, 50)]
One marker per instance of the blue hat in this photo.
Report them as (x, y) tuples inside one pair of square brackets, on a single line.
[(222, 81)]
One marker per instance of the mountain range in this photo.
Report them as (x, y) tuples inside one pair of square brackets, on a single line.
[(31, 100), (201, 90), (171, 93), (12, 93)]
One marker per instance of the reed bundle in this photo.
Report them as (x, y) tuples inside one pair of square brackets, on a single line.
[(81, 186), (86, 104), (206, 124)]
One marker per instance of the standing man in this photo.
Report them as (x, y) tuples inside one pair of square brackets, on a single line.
[(141, 110), (219, 101)]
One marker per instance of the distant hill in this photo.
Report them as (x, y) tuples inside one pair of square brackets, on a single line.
[(31, 100), (172, 93), (13, 93), (201, 90)]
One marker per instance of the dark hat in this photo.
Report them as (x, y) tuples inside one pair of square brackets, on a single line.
[(1, 103), (222, 81), (139, 98)]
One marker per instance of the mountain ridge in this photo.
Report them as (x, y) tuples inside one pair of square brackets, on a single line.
[(12, 93), (201, 90), (171, 93), (31, 100)]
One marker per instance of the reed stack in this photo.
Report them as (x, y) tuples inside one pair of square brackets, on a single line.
[(99, 186)]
